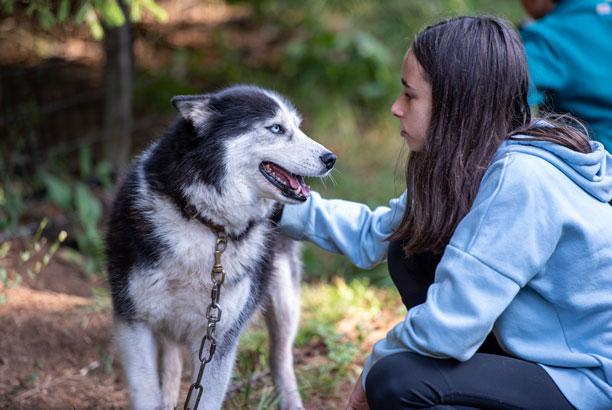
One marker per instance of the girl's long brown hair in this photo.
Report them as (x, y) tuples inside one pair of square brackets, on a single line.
[(479, 78)]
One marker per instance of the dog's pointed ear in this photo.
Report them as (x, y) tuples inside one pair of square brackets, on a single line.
[(194, 108)]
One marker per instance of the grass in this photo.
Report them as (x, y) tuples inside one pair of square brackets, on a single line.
[(336, 329)]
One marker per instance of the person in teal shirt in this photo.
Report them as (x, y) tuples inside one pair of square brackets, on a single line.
[(512, 215), (569, 54)]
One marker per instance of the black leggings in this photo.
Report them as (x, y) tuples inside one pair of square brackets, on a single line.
[(491, 379), (486, 381)]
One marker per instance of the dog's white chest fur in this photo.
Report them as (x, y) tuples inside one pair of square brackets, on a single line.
[(174, 297)]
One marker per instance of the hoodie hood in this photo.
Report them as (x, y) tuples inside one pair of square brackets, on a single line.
[(592, 171)]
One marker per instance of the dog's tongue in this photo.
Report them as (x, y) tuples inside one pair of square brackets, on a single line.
[(293, 182)]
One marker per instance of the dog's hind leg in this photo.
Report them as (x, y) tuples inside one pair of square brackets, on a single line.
[(137, 348), (171, 368), (282, 314)]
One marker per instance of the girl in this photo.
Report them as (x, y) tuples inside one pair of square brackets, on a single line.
[(510, 213)]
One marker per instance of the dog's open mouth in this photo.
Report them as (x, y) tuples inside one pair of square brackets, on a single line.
[(290, 185)]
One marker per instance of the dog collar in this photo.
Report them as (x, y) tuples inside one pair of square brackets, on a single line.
[(192, 212)]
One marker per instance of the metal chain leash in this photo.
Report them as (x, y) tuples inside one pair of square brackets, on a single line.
[(213, 315)]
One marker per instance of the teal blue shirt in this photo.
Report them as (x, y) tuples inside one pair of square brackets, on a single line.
[(532, 261), (569, 54)]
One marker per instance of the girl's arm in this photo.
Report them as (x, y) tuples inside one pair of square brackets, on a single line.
[(344, 227), (508, 235)]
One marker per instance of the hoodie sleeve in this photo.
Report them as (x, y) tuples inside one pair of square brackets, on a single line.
[(344, 227), (505, 239)]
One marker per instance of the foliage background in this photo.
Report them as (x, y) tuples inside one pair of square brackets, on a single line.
[(338, 60)]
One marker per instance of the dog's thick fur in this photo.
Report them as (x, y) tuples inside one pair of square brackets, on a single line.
[(213, 161)]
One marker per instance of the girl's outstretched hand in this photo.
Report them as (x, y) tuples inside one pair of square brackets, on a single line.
[(358, 399)]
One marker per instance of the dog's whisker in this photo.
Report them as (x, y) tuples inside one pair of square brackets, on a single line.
[(331, 178), (323, 182)]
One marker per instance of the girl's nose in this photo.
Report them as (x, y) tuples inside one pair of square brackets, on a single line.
[(396, 109)]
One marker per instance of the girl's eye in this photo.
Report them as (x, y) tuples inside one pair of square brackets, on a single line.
[(408, 96), (276, 129)]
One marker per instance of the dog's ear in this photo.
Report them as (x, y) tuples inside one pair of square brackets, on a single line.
[(193, 108)]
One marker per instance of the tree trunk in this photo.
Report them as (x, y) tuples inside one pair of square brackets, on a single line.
[(118, 94)]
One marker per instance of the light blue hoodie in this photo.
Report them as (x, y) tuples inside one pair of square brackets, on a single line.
[(532, 260)]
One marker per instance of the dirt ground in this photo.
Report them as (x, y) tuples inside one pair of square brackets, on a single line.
[(56, 350), (55, 345)]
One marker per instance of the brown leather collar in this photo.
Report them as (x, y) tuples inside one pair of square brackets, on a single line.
[(192, 212)]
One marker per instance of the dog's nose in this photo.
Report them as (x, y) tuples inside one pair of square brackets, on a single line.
[(329, 159)]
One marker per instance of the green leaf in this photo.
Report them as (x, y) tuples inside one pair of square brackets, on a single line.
[(72, 256), (87, 14), (85, 162), (88, 206), (90, 266), (63, 11), (158, 11), (4, 249), (104, 172), (97, 32), (3, 275), (59, 191), (25, 256), (54, 247), (81, 13), (18, 280), (41, 227), (135, 11), (45, 17), (31, 9), (8, 6), (111, 13)]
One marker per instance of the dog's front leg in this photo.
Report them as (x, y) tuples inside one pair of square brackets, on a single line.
[(216, 378), (171, 366), (282, 314), (137, 348)]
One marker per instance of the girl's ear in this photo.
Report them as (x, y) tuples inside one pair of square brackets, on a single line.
[(193, 108)]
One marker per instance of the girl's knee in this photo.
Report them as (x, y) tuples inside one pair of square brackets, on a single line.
[(402, 380)]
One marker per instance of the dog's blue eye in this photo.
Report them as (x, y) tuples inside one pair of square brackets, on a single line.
[(276, 129)]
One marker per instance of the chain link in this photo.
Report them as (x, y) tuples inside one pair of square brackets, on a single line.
[(213, 315)]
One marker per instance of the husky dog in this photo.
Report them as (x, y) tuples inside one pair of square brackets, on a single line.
[(224, 165)]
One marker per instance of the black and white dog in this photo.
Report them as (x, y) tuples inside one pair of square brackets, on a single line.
[(225, 164)]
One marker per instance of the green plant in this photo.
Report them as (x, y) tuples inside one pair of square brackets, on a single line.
[(268, 400), (31, 261), (94, 13), (107, 359), (11, 204), (328, 313), (88, 236), (80, 203)]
